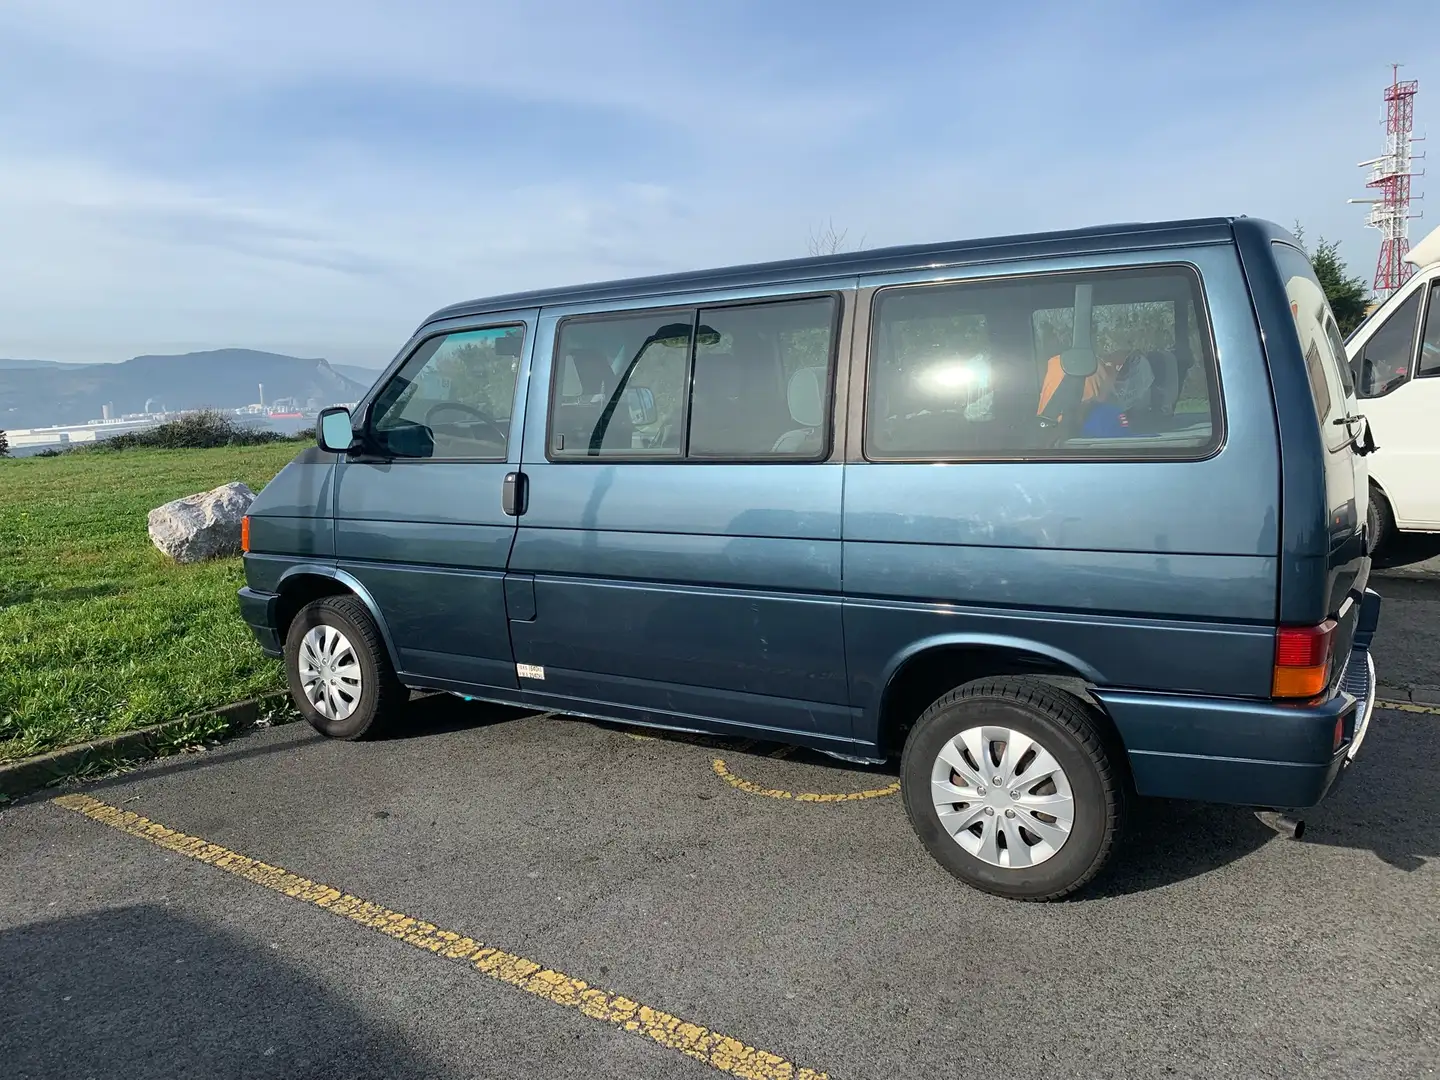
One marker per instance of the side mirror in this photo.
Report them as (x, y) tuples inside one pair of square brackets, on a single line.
[(640, 400), (333, 430)]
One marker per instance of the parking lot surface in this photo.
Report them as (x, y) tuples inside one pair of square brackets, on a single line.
[(499, 895)]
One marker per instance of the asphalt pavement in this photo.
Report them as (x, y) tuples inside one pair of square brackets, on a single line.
[(502, 895)]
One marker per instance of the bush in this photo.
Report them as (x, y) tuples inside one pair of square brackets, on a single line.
[(193, 431)]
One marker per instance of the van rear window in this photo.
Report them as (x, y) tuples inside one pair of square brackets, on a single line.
[(1321, 344), (1110, 363)]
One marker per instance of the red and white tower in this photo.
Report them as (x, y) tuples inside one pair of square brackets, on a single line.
[(1390, 175)]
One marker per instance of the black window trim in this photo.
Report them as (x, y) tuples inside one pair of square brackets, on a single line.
[(1424, 295), (1429, 307), (696, 310), (1081, 455), (367, 454)]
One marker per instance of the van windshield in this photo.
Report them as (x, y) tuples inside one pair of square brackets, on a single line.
[(1331, 386)]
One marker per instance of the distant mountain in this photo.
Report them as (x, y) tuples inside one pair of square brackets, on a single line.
[(222, 379), (11, 365), (364, 375)]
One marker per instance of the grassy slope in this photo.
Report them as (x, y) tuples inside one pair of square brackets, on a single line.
[(99, 632)]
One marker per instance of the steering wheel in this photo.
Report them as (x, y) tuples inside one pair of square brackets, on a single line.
[(460, 406)]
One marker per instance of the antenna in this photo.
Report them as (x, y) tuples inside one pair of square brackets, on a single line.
[(1390, 175)]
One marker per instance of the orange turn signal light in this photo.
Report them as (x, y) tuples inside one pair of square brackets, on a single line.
[(245, 533), (1302, 660)]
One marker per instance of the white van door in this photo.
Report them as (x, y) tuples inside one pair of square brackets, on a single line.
[(1396, 364)]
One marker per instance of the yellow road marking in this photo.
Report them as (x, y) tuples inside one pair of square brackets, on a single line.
[(752, 788), (719, 1051), (1408, 706)]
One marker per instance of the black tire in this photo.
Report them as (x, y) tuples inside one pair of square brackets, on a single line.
[(1379, 522), (1066, 728), (381, 696)]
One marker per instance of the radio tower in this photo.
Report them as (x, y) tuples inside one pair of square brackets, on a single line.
[(1390, 175)]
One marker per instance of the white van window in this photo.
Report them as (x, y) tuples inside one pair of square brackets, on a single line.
[(1384, 363), (1430, 347)]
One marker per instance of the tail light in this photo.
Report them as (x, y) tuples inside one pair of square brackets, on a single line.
[(245, 533), (1302, 660)]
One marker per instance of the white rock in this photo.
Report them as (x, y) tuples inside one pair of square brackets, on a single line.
[(203, 526)]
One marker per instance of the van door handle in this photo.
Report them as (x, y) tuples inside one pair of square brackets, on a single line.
[(514, 494)]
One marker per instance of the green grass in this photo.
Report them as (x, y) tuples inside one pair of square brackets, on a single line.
[(99, 632)]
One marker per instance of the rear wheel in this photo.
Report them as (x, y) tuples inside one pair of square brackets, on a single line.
[(1011, 787), (339, 671), (1380, 522)]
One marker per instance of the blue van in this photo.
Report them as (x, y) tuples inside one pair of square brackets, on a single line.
[(1056, 520)]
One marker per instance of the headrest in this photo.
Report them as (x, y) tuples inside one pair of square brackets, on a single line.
[(593, 371), (806, 397)]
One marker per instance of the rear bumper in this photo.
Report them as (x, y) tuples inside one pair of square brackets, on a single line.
[(1249, 753), (258, 611)]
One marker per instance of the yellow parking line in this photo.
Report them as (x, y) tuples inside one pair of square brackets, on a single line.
[(752, 788), (1408, 706), (721, 1052)]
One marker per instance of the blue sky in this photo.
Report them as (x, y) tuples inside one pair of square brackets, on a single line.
[(314, 177)]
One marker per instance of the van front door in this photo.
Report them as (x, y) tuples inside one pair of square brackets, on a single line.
[(1398, 372), (421, 514)]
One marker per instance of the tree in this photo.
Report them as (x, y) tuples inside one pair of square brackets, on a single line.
[(827, 241), (4, 444), (1349, 295)]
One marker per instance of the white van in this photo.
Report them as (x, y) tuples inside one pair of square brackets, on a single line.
[(1395, 360)]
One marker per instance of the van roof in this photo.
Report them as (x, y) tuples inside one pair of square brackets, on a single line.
[(1099, 239), (1427, 251)]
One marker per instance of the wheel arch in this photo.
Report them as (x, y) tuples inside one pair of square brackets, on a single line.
[(306, 582), (928, 668)]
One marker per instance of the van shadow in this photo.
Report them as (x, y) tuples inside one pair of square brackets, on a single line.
[(1406, 549), (1387, 804), (432, 714), (147, 991)]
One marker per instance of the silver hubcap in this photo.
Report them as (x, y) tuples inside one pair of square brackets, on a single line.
[(1002, 797), (329, 672)]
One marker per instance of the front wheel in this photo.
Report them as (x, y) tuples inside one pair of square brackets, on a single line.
[(1011, 787), (339, 670)]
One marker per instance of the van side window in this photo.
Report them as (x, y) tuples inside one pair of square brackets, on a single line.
[(1384, 363), (738, 383), (619, 387), (1430, 347), (452, 398), (762, 381), (999, 369)]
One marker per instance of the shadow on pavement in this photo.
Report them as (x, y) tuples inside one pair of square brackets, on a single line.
[(1407, 549), (148, 991), (1388, 804), (438, 714)]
